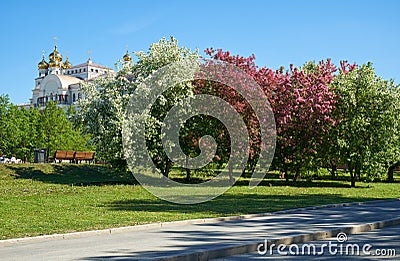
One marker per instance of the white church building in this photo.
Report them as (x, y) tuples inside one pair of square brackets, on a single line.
[(60, 81)]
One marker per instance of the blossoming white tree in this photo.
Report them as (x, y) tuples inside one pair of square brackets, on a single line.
[(106, 99)]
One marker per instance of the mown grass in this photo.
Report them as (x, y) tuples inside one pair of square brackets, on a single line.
[(46, 199)]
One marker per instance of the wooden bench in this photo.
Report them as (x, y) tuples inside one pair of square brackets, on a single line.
[(64, 155), (73, 156), (86, 156)]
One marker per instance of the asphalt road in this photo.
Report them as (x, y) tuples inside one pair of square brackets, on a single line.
[(173, 240), (379, 244)]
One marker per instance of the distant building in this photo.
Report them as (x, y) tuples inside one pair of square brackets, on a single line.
[(60, 81)]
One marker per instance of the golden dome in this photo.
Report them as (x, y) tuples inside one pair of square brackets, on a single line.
[(54, 63), (55, 55), (43, 64), (127, 57), (66, 64)]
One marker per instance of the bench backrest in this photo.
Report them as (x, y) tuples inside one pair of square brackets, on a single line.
[(80, 155), (64, 154)]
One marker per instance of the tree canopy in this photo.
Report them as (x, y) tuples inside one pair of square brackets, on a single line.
[(21, 130), (324, 114)]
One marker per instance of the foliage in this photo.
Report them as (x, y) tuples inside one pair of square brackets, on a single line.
[(301, 100), (368, 130), (348, 118), (106, 100), (303, 103), (235, 99), (23, 130), (57, 132), (101, 114)]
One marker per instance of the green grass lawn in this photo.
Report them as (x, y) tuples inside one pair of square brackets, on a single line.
[(46, 199)]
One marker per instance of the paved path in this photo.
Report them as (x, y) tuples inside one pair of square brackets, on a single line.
[(175, 240), (385, 245)]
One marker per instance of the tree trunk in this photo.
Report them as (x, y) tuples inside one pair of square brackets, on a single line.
[(390, 177), (358, 173), (47, 155), (333, 168), (230, 169), (391, 172), (352, 178), (285, 172), (165, 172), (47, 149), (244, 173), (187, 169), (296, 175), (167, 168)]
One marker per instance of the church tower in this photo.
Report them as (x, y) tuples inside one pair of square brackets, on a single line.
[(43, 66), (127, 58), (66, 65), (55, 62)]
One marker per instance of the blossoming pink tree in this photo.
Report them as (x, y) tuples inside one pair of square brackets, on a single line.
[(302, 102)]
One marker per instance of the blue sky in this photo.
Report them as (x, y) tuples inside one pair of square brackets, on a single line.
[(277, 32)]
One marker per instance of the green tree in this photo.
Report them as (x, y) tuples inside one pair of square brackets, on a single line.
[(57, 132), (369, 118), (4, 107), (11, 121), (23, 130), (28, 121), (4, 104), (18, 130), (391, 155)]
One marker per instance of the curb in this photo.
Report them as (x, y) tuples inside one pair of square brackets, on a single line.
[(178, 223), (302, 238)]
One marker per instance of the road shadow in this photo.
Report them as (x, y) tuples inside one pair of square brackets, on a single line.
[(226, 234), (229, 204), (90, 175)]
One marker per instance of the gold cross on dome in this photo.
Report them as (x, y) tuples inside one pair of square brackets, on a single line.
[(42, 53), (55, 40)]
